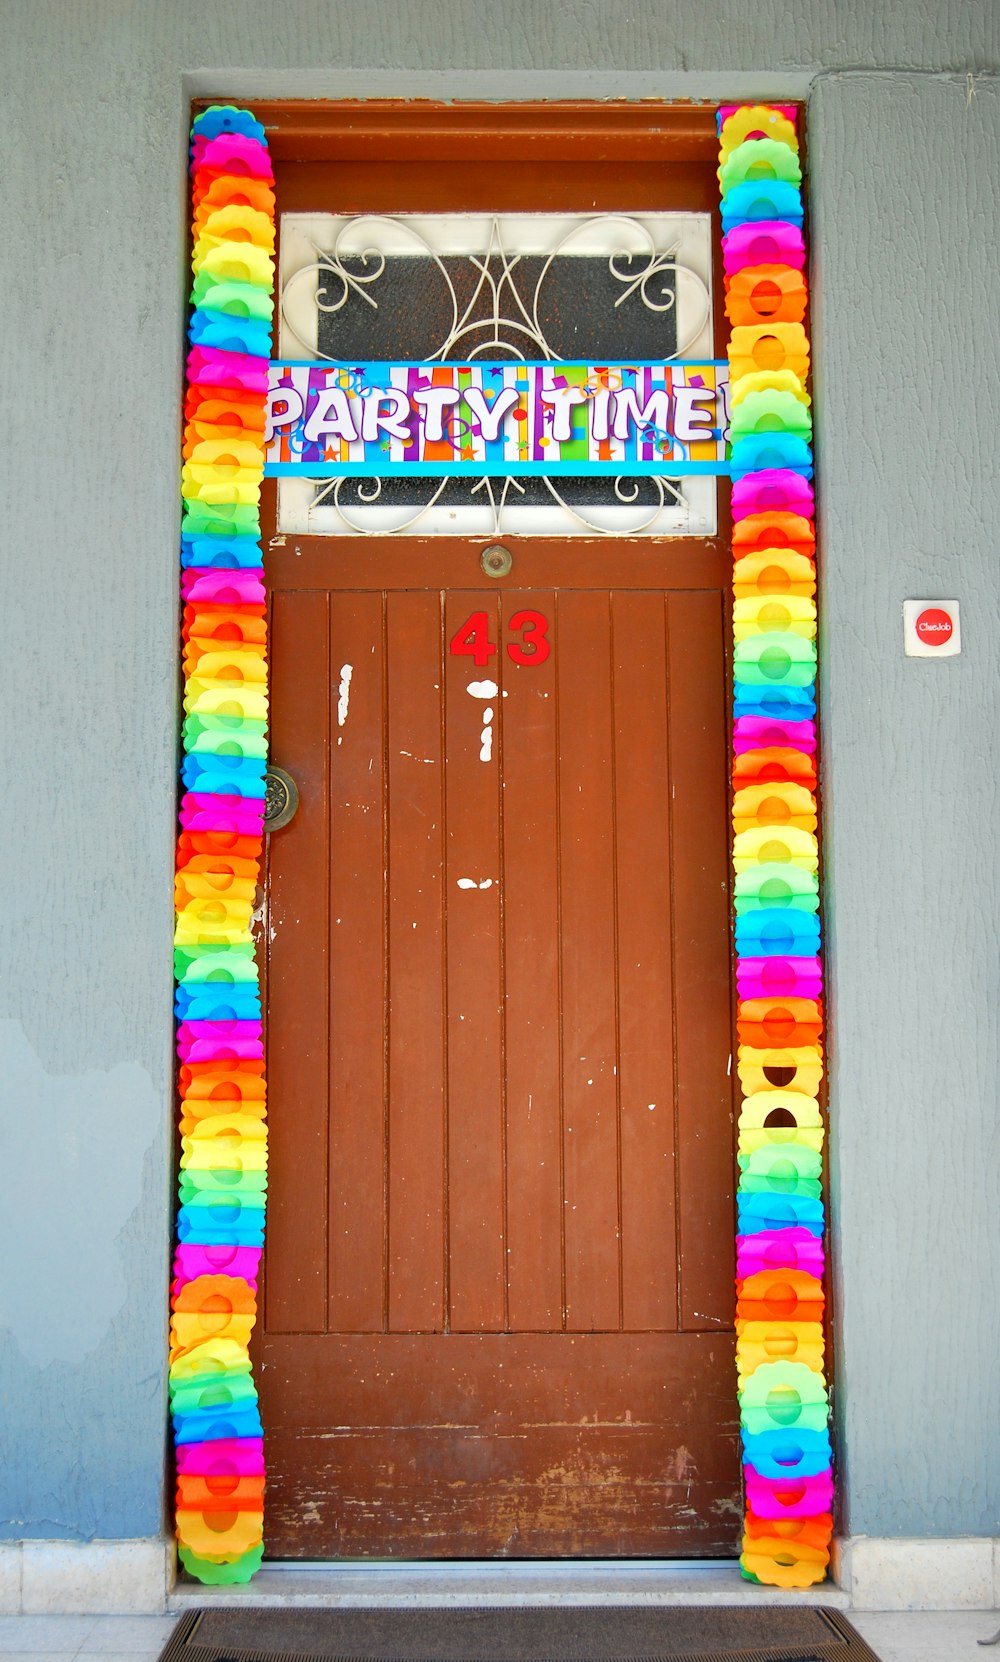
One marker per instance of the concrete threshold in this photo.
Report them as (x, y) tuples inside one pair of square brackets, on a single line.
[(371, 1586)]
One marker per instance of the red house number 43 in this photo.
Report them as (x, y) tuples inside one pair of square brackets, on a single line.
[(472, 640)]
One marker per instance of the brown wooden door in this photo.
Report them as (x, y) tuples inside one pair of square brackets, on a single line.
[(497, 1311)]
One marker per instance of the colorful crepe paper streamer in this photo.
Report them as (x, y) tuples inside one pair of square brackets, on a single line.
[(223, 1176), (779, 1313)]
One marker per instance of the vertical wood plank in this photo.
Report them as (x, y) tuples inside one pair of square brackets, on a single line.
[(298, 979), (587, 900), (701, 958), (476, 1243), (531, 957), (416, 964), (357, 966), (646, 1012)]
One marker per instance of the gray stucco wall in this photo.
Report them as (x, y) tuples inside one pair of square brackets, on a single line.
[(905, 233), (905, 163)]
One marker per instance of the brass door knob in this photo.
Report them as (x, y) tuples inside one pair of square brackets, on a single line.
[(281, 798)]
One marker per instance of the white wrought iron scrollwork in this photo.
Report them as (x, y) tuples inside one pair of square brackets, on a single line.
[(369, 491), (657, 265), (496, 490), (626, 492), (507, 333)]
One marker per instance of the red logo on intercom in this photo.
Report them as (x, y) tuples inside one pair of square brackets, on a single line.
[(934, 627)]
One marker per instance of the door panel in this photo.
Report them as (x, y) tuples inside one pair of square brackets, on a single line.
[(507, 1446), (645, 900), (509, 1060), (299, 1162), (587, 885), (535, 1289), (356, 920), (475, 1235)]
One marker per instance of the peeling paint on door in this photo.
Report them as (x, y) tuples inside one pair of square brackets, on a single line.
[(344, 700)]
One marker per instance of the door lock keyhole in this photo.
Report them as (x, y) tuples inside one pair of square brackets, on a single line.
[(496, 560)]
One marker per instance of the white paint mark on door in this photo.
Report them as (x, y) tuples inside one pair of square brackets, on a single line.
[(343, 702), (486, 736), (482, 689)]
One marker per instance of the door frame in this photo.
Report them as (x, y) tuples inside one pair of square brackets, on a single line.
[(676, 159), (378, 130)]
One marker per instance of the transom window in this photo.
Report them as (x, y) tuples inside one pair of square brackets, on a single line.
[(596, 289)]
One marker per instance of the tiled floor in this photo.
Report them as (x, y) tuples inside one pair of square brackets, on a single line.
[(934, 1636), (75, 1638), (928, 1635)]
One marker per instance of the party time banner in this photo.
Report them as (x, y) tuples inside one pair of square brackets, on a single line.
[(507, 418)]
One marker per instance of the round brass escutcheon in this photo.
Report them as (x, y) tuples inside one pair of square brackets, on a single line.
[(281, 798), (496, 560)]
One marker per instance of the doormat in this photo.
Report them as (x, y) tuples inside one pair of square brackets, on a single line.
[(699, 1633)]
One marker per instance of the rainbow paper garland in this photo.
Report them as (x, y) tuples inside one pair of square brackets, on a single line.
[(783, 1398), (220, 1222)]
